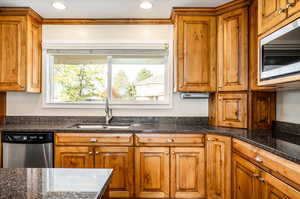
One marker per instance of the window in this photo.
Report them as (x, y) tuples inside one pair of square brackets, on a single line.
[(125, 77)]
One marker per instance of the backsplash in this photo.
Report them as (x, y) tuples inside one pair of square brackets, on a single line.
[(90, 119), (288, 106)]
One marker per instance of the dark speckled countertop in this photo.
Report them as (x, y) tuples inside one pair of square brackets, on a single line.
[(53, 183), (282, 140)]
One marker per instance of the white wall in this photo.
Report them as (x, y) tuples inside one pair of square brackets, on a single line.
[(32, 104), (288, 106)]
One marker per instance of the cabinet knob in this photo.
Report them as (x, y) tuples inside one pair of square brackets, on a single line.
[(90, 153), (173, 153), (170, 140), (93, 140), (280, 11), (97, 153), (290, 5), (255, 175), (258, 159), (261, 179)]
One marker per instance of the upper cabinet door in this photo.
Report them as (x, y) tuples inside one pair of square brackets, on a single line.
[(12, 53), (270, 13), (196, 53), (233, 50), (34, 57)]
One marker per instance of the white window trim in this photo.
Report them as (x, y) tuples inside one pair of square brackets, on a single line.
[(167, 104)]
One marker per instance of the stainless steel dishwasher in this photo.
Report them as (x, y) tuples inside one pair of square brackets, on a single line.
[(27, 150)]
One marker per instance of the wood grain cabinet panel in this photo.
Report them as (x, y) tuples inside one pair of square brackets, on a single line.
[(187, 172), (233, 50), (74, 157), (120, 159), (20, 50), (218, 172), (34, 72), (152, 172), (232, 110), (12, 53), (270, 13), (196, 53), (245, 177), (293, 7)]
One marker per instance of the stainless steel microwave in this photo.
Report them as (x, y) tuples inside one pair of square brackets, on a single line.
[(280, 53)]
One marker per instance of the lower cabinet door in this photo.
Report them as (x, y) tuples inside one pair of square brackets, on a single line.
[(246, 182), (152, 172), (276, 189), (120, 159), (218, 172), (187, 172), (74, 157)]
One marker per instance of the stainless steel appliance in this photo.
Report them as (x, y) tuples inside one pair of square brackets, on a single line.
[(27, 150), (280, 52)]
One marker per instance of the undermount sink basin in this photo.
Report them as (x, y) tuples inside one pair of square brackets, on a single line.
[(102, 126)]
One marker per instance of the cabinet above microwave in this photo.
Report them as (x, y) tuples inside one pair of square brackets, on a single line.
[(279, 56)]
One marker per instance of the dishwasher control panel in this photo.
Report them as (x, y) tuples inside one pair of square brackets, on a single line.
[(27, 137)]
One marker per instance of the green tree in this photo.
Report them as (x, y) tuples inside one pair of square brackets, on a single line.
[(143, 74), (79, 82)]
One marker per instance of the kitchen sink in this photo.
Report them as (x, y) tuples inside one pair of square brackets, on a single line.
[(102, 126)]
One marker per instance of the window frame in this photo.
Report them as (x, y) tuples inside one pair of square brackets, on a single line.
[(126, 104)]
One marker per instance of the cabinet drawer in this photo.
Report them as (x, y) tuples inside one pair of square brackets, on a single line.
[(275, 164), (93, 139), (169, 140)]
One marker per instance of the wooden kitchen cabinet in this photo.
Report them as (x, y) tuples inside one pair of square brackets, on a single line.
[(293, 7), (245, 178), (21, 52), (218, 172), (74, 157), (152, 172), (187, 172), (232, 109), (270, 13), (233, 50), (120, 159), (251, 182), (195, 53)]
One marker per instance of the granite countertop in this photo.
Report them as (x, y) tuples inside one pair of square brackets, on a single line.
[(282, 140), (53, 183)]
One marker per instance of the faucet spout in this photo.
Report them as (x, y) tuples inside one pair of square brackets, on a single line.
[(108, 112)]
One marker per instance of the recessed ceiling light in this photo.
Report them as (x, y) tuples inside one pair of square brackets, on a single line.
[(59, 5), (146, 5)]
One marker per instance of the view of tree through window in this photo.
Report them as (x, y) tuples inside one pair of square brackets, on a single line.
[(85, 78)]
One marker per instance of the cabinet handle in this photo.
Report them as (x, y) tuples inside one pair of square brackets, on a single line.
[(280, 11), (261, 179), (170, 140), (255, 175), (173, 153), (258, 159), (90, 153), (290, 5), (93, 140), (211, 139), (97, 153)]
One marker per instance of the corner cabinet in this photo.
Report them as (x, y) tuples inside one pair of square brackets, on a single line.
[(233, 50), (218, 172), (195, 53), (21, 53)]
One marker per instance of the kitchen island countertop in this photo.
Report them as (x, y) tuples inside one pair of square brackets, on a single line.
[(34, 183)]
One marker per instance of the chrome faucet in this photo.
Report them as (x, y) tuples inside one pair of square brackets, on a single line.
[(108, 112)]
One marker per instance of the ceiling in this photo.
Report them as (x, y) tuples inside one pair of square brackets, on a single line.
[(108, 8)]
